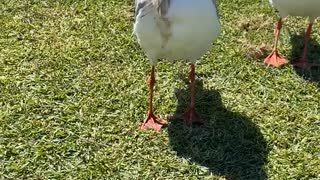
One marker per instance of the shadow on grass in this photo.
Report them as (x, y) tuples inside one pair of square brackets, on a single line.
[(297, 41), (228, 144)]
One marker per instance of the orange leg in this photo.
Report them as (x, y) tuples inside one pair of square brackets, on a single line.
[(151, 121), (303, 62), (274, 58), (191, 116)]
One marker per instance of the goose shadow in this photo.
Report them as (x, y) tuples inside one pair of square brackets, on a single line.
[(229, 144), (297, 41)]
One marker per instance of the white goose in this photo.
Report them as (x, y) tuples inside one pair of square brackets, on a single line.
[(305, 8), (172, 30)]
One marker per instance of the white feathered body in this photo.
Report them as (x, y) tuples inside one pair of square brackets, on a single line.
[(193, 26), (306, 8)]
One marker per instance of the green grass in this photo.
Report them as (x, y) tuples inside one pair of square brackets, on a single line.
[(73, 93)]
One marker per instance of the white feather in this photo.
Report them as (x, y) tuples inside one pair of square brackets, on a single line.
[(194, 26), (306, 8)]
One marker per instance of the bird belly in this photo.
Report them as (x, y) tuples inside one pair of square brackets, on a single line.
[(149, 36), (194, 28), (191, 40)]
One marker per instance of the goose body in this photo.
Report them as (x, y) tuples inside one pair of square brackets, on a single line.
[(174, 30), (305, 8), (185, 30)]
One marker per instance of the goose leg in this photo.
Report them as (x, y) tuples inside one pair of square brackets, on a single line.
[(303, 62), (274, 58), (151, 121), (191, 116)]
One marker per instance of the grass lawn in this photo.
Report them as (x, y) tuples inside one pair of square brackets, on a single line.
[(73, 92)]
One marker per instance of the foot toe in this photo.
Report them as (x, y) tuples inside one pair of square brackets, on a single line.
[(191, 117)]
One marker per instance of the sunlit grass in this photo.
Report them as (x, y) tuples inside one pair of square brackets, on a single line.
[(73, 93)]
